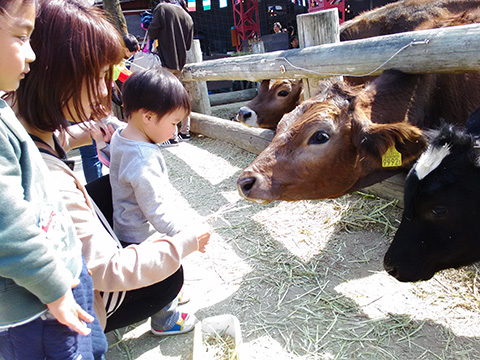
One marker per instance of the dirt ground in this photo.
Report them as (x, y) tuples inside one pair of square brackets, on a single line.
[(305, 278)]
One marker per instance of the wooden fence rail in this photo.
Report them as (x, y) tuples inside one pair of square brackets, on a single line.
[(444, 50)]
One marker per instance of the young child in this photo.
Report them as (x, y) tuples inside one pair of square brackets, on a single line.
[(121, 72), (132, 45), (40, 256), (155, 102)]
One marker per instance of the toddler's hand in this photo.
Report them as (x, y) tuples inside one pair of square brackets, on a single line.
[(204, 236), (203, 240)]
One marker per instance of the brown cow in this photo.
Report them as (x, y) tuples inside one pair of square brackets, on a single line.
[(272, 102), (333, 144), (401, 16), (397, 17), (275, 98), (337, 142)]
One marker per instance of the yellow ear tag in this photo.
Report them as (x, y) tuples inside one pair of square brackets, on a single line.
[(391, 158)]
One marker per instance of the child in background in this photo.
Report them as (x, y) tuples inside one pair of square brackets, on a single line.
[(40, 256), (121, 72), (132, 45), (155, 101)]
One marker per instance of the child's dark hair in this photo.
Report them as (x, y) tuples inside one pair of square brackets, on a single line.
[(154, 89), (131, 42)]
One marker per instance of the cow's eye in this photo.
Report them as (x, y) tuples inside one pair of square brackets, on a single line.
[(439, 211), (283, 93), (320, 137)]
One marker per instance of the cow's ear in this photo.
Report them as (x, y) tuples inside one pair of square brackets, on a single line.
[(264, 86), (373, 140)]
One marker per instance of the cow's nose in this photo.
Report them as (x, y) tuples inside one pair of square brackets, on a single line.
[(245, 185), (244, 114)]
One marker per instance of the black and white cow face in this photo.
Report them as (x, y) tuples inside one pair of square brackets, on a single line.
[(440, 225)]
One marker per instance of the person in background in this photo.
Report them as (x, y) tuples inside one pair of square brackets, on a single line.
[(132, 47), (293, 42), (172, 27), (277, 27), (41, 316), (155, 102), (291, 31), (121, 72), (92, 166)]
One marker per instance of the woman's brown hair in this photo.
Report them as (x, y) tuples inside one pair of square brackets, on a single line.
[(73, 43)]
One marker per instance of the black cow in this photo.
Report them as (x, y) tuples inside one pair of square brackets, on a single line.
[(441, 221)]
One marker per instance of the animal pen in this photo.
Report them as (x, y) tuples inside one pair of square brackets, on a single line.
[(321, 55), (305, 278)]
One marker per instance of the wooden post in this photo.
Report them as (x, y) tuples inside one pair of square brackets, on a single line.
[(317, 28), (258, 47), (197, 90)]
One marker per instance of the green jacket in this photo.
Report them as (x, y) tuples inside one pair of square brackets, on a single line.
[(39, 252)]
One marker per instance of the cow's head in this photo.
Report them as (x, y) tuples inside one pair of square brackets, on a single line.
[(440, 223), (275, 98), (326, 148)]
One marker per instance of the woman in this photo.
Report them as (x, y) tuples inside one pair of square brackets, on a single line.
[(68, 82)]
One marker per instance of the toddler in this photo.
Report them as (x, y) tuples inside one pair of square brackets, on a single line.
[(155, 101)]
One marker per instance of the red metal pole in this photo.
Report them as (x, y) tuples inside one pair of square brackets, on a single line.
[(245, 18)]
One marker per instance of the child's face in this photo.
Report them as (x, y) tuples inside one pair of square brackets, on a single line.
[(129, 54), (164, 129), (15, 31)]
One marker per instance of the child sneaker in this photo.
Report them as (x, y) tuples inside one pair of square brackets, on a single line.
[(185, 323)]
